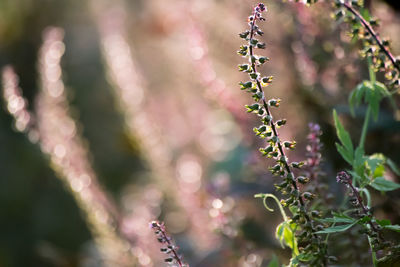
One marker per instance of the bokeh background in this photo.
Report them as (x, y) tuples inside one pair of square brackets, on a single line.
[(133, 113)]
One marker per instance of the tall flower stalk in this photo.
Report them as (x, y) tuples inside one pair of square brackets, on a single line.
[(302, 226)]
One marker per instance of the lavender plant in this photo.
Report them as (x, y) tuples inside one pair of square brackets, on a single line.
[(298, 232)]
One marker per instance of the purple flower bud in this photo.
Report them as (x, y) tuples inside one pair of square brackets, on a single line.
[(343, 177)]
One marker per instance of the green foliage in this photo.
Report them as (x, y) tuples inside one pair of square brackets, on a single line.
[(346, 148), (372, 93), (366, 170), (381, 184), (274, 262), (286, 234)]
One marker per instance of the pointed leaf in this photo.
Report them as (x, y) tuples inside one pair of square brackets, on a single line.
[(352, 101), (336, 228), (342, 134), (393, 166), (360, 91), (393, 227), (285, 233), (338, 220), (381, 184), (346, 155), (279, 233), (384, 222), (381, 89), (358, 158)]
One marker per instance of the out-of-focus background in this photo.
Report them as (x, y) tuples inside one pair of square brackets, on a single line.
[(133, 113)]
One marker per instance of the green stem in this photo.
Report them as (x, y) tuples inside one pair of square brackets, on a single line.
[(367, 118), (372, 78), (365, 127), (374, 259), (265, 196)]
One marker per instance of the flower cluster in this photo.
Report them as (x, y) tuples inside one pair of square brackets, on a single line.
[(313, 250), (170, 249)]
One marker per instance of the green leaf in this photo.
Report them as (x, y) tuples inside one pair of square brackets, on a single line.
[(344, 137), (373, 98), (356, 95), (361, 90), (303, 257), (336, 228), (285, 233), (393, 166), (379, 171), (375, 163), (352, 101), (359, 160), (372, 94), (274, 262), (364, 219), (279, 233), (346, 155), (339, 218), (381, 89), (393, 227), (365, 14), (384, 222), (381, 184)]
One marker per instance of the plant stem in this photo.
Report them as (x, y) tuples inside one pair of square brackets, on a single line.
[(273, 127), (272, 123), (365, 127), (372, 78), (374, 259), (369, 28)]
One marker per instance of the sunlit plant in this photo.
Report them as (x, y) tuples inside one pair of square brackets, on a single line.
[(299, 231), (302, 232)]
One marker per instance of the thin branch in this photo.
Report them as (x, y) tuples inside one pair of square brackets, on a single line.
[(373, 34)]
